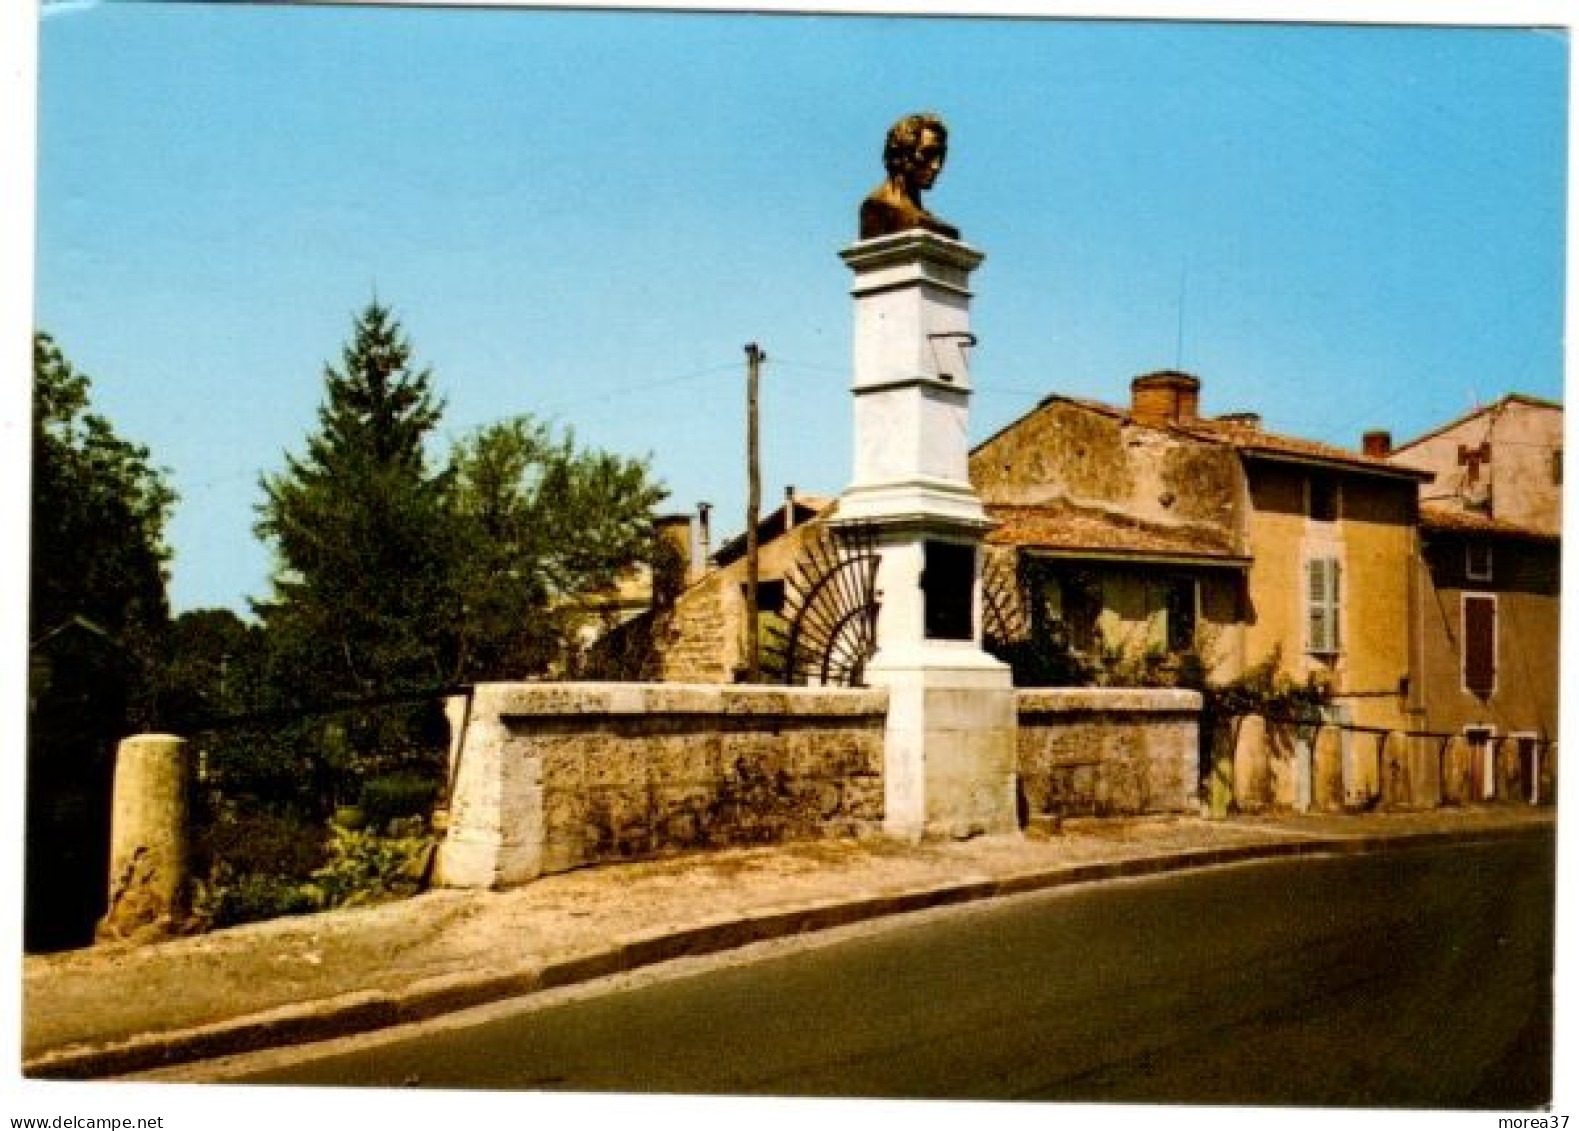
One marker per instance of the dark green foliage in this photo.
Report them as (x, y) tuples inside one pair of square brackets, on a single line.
[(363, 603), (258, 868), (398, 795), (230, 899), (396, 576), (263, 843), (212, 669), (97, 612), (358, 525), (1044, 660)]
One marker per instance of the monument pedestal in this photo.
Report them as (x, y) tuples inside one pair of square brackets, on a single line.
[(949, 763)]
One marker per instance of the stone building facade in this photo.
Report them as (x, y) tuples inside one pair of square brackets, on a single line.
[(1214, 533), (1489, 570)]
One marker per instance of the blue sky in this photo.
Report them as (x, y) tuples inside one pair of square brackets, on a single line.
[(586, 215)]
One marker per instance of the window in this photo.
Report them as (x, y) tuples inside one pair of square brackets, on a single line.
[(770, 596), (1321, 606), (1477, 561), (1322, 497), (1479, 643), (1071, 610), (947, 584)]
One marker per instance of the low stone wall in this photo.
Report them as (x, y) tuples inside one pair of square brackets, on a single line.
[(1278, 766), (1109, 751), (550, 777)]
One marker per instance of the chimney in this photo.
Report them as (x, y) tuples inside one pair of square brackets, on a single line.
[(789, 508), (1166, 397), (703, 544), (676, 530), (1249, 421), (1377, 443)]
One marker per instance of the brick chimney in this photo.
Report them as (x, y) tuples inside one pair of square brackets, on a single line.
[(1166, 397), (1377, 443)]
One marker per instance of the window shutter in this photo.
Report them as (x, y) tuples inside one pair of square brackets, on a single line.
[(1333, 570), (1321, 605), (1480, 644)]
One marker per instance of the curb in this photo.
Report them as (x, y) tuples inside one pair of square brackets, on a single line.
[(365, 1010)]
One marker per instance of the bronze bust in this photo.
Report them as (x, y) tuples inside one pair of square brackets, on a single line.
[(913, 154)]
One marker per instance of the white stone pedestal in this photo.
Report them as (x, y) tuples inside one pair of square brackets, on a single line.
[(949, 747)]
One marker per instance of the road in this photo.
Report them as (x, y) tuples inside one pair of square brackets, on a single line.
[(1414, 978)]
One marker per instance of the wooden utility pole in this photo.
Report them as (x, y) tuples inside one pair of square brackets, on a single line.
[(754, 359)]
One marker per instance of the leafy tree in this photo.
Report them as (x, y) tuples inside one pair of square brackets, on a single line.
[(544, 528), (97, 610)]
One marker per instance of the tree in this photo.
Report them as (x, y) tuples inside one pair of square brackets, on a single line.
[(395, 577), (543, 528), (358, 525), (362, 603), (97, 611)]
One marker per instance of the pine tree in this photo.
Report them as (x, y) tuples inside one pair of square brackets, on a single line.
[(358, 524)]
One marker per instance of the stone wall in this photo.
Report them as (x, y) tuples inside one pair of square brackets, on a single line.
[(1108, 751), (550, 777), (1388, 770)]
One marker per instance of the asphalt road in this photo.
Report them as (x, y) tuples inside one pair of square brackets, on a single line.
[(1416, 978)]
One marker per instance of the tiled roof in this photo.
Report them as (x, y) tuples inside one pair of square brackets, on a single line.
[(1059, 528), (1253, 441), (1456, 520)]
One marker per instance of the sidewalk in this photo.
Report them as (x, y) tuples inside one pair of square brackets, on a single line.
[(120, 1008)]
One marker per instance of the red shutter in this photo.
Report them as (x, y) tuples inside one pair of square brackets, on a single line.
[(1480, 644)]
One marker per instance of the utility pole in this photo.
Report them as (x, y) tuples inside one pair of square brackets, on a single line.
[(754, 359)]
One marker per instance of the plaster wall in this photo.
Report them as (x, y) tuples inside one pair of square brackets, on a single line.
[(1525, 583), (1082, 456), (1373, 540), (1520, 481)]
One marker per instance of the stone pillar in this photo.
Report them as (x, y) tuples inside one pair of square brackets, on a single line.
[(1327, 792), (149, 883), (1397, 772), (494, 835), (949, 761), (1252, 775)]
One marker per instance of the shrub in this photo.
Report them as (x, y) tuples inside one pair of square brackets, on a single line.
[(262, 844), (228, 898), (366, 868), (393, 796)]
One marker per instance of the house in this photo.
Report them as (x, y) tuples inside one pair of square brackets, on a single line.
[(1120, 538), (703, 638), (1490, 527), (1156, 528)]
